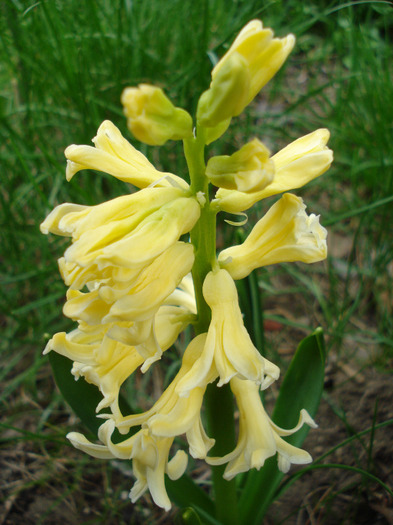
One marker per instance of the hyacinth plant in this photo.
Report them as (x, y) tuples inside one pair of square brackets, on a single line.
[(144, 266)]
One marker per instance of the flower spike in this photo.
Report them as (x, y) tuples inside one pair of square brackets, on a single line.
[(143, 267)]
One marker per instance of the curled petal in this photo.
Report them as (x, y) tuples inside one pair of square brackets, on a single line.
[(149, 456)]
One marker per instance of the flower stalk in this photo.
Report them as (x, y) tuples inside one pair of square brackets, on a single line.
[(218, 401), (203, 235)]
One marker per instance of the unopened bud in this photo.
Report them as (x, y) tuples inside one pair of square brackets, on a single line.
[(151, 116)]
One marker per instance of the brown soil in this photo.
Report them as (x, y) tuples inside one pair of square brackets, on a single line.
[(334, 496)]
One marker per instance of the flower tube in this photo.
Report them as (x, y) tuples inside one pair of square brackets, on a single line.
[(285, 234)]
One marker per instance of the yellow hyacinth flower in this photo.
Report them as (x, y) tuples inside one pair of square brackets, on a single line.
[(259, 438), (113, 154), (137, 300), (99, 359), (129, 236), (104, 354), (285, 234), (248, 169), (153, 286), (149, 459), (294, 166), (252, 60), (228, 347), (122, 213), (172, 414), (149, 239), (136, 303), (151, 116)]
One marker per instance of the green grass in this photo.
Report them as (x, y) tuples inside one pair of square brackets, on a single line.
[(63, 66)]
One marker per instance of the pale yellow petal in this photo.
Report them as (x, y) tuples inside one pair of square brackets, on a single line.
[(152, 236), (297, 164), (153, 285), (285, 234), (113, 154)]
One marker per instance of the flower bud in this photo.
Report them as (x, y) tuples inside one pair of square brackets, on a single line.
[(248, 169), (252, 60), (227, 95), (151, 116)]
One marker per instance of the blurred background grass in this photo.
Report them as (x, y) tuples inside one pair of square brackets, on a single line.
[(63, 67)]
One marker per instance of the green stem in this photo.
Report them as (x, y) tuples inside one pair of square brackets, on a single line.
[(203, 235), (221, 425), (219, 401)]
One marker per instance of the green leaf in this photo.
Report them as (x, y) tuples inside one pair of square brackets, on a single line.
[(186, 493), (82, 397), (302, 387)]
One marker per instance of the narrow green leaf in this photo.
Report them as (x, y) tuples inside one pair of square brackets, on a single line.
[(186, 493), (301, 388), (302, 385), (34, 305)]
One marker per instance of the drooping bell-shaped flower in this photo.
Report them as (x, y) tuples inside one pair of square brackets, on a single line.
[(228, 347), (259, 438), (150, 459), (172, 414), (284, 234)]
